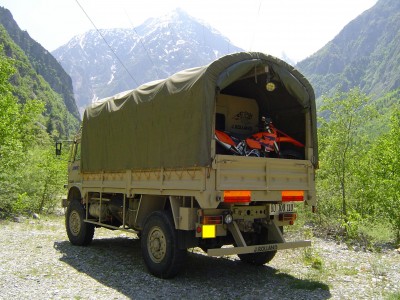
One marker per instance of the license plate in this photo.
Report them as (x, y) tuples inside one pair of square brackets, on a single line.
[(276, 209)]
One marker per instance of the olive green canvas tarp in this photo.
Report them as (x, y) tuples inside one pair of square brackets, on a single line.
[(169, 123)]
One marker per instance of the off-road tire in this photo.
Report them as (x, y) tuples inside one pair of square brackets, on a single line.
[(260, 258), (159, 244), (79, 233)]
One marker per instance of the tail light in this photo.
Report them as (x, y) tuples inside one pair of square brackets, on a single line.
[(292, 196), (211, 220), (237, 196), (291, 217)]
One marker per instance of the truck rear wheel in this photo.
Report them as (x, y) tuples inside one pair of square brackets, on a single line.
[(260, 258), (79, 233), (159, 245)]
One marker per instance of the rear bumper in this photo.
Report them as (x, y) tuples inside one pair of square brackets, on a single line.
[(257, 248)]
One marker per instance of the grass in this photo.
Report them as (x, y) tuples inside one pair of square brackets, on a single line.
[(349, 271), (312, 258), (393, 296), (377, 233), (310, 255), (315, 276), (368, 234), (378, 267), (339, 269)]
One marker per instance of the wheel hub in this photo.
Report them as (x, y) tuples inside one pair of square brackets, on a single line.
[(156, 244), (74, 223)]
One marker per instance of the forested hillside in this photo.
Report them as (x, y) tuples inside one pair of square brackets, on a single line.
[(366, 54), (41, 61), (31, 178), (32, 117), (29, 85)]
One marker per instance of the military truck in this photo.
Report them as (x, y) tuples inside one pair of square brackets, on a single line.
[(147, 161)]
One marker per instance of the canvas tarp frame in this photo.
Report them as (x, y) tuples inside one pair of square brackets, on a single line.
[(169, 123)]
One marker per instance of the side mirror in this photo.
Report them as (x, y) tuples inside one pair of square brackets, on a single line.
[(58, 148)]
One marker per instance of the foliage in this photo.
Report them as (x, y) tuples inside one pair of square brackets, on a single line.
[(42, 62), (30, 176), (32, 116), (393, 296), (365, 53), (42, 181), (385, 166), (311, 256), (340, 144), (359, 180), (29, 85)]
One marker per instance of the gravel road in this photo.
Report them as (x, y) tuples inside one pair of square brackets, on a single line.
[(38, 262)]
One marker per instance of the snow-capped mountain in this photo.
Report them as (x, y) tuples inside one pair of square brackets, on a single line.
[(110, 61)]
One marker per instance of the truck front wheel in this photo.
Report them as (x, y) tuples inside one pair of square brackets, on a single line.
[(79, 233), (159, 245)]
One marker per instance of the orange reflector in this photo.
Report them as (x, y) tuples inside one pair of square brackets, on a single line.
[(292, 196), (237, 196), (288, 217)]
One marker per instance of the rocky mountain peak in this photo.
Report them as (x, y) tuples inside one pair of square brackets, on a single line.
[(154, 50), (365, 54)]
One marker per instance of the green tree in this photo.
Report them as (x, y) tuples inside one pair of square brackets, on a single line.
[(341, 148), (28, 173), (42, 181), (9, 111), (384, 189)]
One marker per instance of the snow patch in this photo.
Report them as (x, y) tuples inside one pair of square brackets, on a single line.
[(111, 80), (216, 53), (82, 41), (94, 98), (113, 70)]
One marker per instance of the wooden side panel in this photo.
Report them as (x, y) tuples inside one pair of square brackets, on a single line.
[(260, 174)]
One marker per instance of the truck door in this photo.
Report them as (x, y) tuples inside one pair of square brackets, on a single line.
[(74, 176)]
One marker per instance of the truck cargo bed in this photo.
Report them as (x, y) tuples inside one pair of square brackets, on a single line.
[(255, 173)]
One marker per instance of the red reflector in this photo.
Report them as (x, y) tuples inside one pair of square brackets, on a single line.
[(209, 220), (292, 196), (237, 196)]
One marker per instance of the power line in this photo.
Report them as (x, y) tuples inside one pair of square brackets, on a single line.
[(257, 19), (144, 47), (112, 50)]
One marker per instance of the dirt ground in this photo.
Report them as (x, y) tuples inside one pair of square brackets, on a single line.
[(38, 262)]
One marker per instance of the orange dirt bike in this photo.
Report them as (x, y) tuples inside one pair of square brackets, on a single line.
[(266, 143)]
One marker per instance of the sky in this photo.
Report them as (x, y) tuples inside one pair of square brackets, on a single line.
[(296, 28)]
